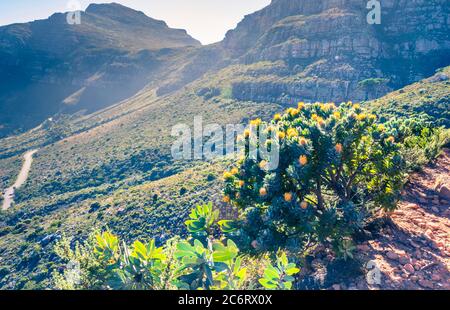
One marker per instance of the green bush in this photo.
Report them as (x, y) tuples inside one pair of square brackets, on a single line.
[(337, 166), (106, 263)]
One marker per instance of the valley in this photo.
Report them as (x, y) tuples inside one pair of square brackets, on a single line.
[(103, 117)]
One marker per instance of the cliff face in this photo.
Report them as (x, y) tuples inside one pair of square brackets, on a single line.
[(333, 53)]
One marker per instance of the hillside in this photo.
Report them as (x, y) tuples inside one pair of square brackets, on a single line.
[(104, 156), (48, 66)]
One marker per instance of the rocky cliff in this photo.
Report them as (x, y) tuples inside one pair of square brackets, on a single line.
[(333, 53)]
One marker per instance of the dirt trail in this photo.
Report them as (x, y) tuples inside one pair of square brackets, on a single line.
[(21, 179), (413, 250)]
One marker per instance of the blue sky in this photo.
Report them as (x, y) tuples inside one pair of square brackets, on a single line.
[(205, 20)]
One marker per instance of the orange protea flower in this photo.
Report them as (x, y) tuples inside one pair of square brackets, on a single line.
[(262, 191), (234, 171), (288, 197), (256, 122), (304, 205), (247, 133), (277, 117), (241, 183), (226, 199), (391, 139), (227, 175), (361, 117), (301, 105), (292, 132), (338, 148), (303, 160), (337, 115), (292, 112), (320, 121), (263, 164), (303, 141)]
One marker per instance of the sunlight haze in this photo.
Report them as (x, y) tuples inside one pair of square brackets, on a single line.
[(205, 20)]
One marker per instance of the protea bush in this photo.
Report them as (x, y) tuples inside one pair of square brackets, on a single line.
[(337, 166)]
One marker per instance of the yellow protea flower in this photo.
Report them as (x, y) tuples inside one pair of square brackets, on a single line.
[(314, 117), (292, 132), (277, 117), (226, 199), (247, 133), (234, 171), (227, 175), (350, 103), (281, 135), (301, 105), (381, 127), (256, 122), (337, 115), (361, 117), (288, 197), (292, 112), (303, 160), (263, 164), (391, 139), (338, 148), (356, 106), (320, 121), (303, 141), (372, 117), (304, 205), (262, 191)]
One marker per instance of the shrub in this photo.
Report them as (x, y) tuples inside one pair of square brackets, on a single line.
[(337, 166), (107, 263)]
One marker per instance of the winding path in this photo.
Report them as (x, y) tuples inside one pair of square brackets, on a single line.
[(21, 179)]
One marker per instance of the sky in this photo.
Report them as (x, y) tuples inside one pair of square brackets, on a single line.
[(205, 20)]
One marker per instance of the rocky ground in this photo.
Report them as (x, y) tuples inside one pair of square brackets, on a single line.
[(412, 249)]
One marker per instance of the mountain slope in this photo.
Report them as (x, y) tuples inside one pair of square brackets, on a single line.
[(49, 66)]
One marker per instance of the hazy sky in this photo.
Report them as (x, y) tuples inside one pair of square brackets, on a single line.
[(205, 20)]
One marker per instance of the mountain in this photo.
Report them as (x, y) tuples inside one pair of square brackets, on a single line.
[(329, 52), (50, 66), (112, 165)]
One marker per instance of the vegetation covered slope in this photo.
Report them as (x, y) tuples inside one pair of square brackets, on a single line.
[(49, 66)]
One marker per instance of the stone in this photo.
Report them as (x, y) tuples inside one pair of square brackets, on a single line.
[(444, 191), (392, 255), (363, 248), (336, 287), (426, 283), (404, 259), (436, 277), (409, 268)]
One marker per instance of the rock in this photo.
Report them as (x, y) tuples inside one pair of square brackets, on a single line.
[(443, 190), (363, 248), (392, 255), (436, 277), (426, 283), (409, 268), (404, 259), (336, 287)]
